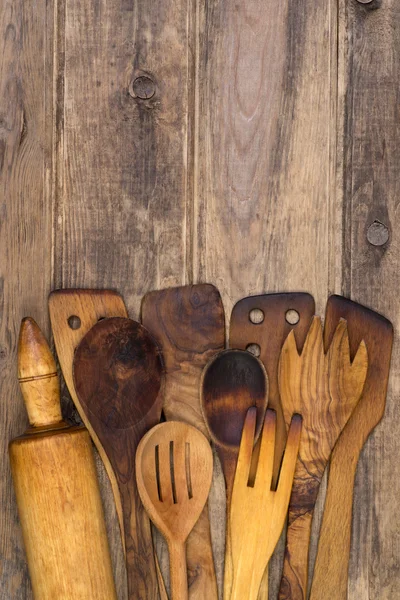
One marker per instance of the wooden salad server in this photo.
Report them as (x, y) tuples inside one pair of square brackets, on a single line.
[(56, 487), (263, 322), (118, 376), (258, 513), (174, 467), (331, 567), (324, 389), (188, 323), (232, 382)]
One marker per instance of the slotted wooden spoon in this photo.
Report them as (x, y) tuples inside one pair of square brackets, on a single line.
[(232, 382), (174, 466), (258, 513), (324, 389), (188, 324), (118, 375), (332, 563)]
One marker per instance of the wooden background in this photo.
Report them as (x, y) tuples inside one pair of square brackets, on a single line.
[(252, 144)]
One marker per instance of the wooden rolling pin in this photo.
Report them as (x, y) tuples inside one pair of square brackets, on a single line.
[(56, 487)]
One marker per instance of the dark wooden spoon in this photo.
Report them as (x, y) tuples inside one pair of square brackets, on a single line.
[(232, 382), (118, 376)]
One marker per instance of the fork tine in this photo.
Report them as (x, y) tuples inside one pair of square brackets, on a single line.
[(266, 458), (246, 447), (289, 459), (165, 472)]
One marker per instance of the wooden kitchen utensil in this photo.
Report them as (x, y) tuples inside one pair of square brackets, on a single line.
[(232, 382), (266, 321), (56, 487), (324, 389), (72, 313), (263, 322), (331, 567), (258, 513), (174, 468), (188, 324), (117, 376)]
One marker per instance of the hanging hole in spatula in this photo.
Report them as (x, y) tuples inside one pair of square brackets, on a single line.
[(256, 316), (292, 316), (254, 349), (74, 322)]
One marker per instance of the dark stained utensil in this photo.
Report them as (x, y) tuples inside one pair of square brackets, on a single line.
[(118, 377), (188, 323), (332, 563), (232, 382)]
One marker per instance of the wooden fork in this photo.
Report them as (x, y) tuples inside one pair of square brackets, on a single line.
[(257, 513)]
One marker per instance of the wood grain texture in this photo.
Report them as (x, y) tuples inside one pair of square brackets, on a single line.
[(174, 468), (258, 513), (369, 75), (331, 567), (56, 487), (188, 324), (117, 373), (26, 172), (324, 389), (231, 383)]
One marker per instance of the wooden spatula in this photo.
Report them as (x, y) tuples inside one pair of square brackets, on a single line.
[(232, 382), (174, 468), (331, 567), (188, 324), (324, 389), (117, 376), (258, 513)]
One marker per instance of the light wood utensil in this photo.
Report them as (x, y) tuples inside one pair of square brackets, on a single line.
[(331, 567), (324, 389), (232, 382), (56, 487), (188, 324), (258, 513), (174, 468), (117, 376)]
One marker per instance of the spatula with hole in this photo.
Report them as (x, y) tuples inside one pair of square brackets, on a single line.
[(331, 567), (324, 389), (258, 513), (117, 373), (174, 468)]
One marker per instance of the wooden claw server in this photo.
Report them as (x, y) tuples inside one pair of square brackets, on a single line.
[(56, 487)]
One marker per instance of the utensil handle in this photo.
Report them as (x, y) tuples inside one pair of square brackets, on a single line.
[(294, 580), (332, 562), (178, 571)]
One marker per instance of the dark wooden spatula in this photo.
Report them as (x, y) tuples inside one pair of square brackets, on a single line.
[(331, 567), (118, 375), (232, 382)]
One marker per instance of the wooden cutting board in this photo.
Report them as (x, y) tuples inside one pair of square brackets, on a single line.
[(331, 567), (188, 323)]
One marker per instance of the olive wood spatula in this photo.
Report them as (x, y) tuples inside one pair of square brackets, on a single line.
[(332, 562), (324, 389), (188, 323), (118, 376), (258, 513), (174, 467)]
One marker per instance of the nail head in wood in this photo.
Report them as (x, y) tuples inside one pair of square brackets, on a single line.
[(377, 234), (142, 87)]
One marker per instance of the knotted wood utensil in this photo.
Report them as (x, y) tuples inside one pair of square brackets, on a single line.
[(324, 389)]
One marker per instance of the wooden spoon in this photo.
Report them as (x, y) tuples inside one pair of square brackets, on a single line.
[(174, 466), (258, 513), (118, 375), (324, 389), (188, 324), (332, 563), (232, 382)]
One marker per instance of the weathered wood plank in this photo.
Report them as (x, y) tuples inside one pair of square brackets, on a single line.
[(122, 158), (264, 177), (370, 36), (26, 34)]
